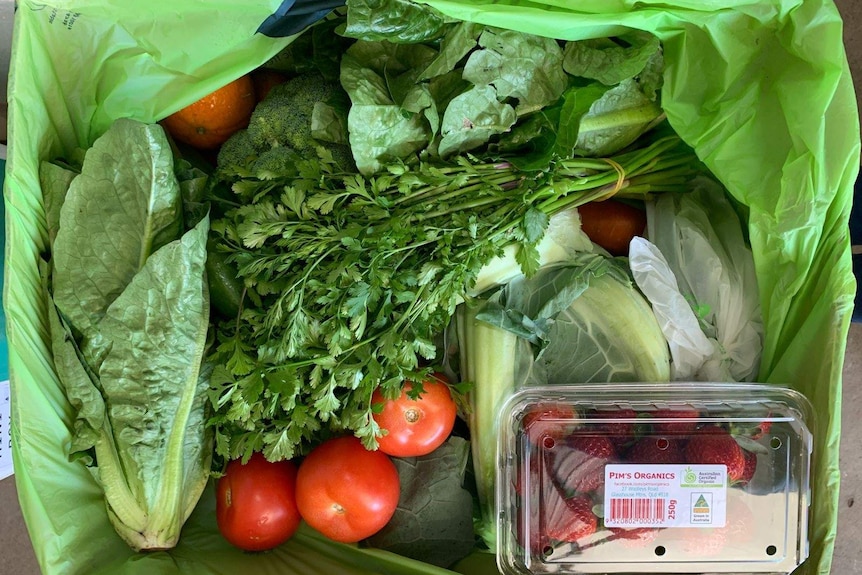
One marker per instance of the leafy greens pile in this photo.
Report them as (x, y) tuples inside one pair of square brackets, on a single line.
[(518, 94), (129, 317), (467, 140)]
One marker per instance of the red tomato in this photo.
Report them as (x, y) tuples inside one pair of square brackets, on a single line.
[(416, 426), (612, 224), (345, 491), (256, 504)]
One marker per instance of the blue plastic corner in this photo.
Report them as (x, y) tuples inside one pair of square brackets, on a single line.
[(294, 16)]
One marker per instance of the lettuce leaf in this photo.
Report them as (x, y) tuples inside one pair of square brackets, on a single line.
[(123, 206), (129, 317)]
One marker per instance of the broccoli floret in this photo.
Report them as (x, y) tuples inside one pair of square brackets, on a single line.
[(284, 117), (343, 157), (237, 154), (274, 163)]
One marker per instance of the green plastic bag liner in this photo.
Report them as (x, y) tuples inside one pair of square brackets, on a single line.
[(760, 89)]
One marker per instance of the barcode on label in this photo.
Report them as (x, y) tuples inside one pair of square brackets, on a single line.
[(637, 511)]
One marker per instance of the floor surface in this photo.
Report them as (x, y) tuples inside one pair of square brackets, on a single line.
[(16, 552)]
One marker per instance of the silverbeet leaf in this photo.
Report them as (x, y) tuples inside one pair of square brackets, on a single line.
[(472, 118), (454, 47), (390, 116), (521, 66), (611, 60), (434, 519), (401, 21), (616, 120)]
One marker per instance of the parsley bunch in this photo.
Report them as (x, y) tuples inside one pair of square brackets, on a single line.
[(349, 279)]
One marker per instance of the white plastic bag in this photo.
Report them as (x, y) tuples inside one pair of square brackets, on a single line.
[(703, 260)]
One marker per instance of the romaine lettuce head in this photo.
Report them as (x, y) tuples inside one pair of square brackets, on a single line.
[(129, 315)]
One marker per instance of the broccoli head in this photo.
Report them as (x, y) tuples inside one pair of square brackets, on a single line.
[(274, 163), (237, 154), (284, 117)]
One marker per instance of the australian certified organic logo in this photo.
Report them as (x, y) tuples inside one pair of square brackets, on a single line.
[(689, 476), (702, 478)]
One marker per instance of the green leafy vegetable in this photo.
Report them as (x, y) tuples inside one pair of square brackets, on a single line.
[(351, 279), (55, 181), (617, 119), (397, 21), (482, 89), (389, 118), (318, 50), (472, 118), (457, 44), (651, 79), (129, 322), (110, 223), (434, 519), (521, 66), (553, 132), (611, 60), (329, 123)]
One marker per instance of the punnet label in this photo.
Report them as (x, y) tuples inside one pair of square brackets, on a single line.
[(665, 495)]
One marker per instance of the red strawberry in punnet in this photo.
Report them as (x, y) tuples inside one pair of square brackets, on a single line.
[(738, 530), (634, 538), (578, 463), (715, 446), (620, 433), (569, 519), (685, 420), (547, 420), (656, 451), (750, 467)]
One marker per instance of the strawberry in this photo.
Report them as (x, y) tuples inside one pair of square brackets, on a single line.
[(751, 430), (717, 447), (737, 530), (620, 433), (569, 519), (762, 429), (634, 538), (688, 419), (578, 464), (750, 467), (655, 450), (545, 420), (702, 542)]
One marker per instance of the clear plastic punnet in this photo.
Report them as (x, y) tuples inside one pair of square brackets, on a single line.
[(654, 478)]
